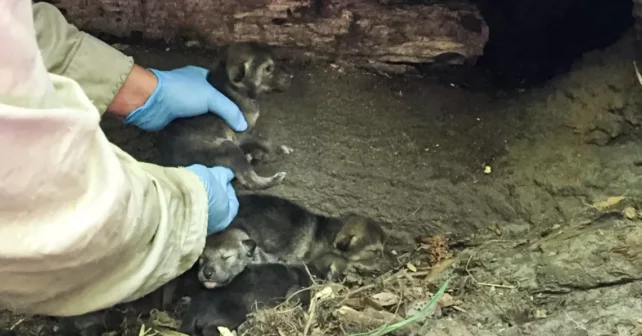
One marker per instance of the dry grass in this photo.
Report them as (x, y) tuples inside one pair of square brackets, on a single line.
[(354, 312), (396, 302)]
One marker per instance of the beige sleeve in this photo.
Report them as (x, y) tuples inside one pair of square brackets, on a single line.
[(99, 68), (83, 225)]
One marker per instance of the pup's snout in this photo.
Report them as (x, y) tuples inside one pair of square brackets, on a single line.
[(208, 272)]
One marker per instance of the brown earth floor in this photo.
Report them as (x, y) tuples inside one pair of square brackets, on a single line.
[(411, 153)]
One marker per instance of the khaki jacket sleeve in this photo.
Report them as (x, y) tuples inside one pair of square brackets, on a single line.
[(99, 68), (83, 225)]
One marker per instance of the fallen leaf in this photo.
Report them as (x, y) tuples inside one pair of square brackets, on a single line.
[(411, 267), (609, 202), (446, 300), (161, 319), (326, 292), (385, 299), (168, 332), (423, 246), (224, 331), (437, 269)]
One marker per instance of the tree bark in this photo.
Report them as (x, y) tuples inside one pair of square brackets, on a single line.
[(366, 31)]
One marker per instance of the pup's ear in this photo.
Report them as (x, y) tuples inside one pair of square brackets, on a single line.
[(236, 71), (250, 245)]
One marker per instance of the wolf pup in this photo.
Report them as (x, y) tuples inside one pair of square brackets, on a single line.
[(226, 254), (244, 72), (290, 232), (269, 229), (258, 286)]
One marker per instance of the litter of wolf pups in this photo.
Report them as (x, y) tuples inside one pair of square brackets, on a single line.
[(397, 302)]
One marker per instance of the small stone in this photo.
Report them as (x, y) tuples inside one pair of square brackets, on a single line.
[(192, 43), (539, 314), (630, 212)]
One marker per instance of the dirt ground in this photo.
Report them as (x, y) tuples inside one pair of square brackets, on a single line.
[(549, 242)]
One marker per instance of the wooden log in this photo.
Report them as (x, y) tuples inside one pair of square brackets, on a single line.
[(365, 31)]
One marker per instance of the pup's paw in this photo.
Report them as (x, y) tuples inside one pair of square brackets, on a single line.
[(278, 177), (249, 157), (285, 150)]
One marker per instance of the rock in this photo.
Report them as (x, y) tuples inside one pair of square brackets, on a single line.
[(598, 137), (630, 212), (385, 299)]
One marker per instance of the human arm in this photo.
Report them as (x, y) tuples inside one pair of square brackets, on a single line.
[(100, 69), (149, 99), (83, 225)]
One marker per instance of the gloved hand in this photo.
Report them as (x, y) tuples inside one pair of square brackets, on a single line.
[(184, 92), (223, 204)]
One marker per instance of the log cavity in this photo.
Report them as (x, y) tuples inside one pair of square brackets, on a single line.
[(532, 41)]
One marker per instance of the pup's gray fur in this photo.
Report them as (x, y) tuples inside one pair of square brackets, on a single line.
[(226, 254), (244, 72), (258, 286), (291, 232), (285, 232)]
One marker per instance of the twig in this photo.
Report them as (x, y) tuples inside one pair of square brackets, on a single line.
[(314, 284), (494, 285), (384, 281), (354, 292), (293, 295), (311, 315), (17, 323), (637, 72), (577, 324), (307, 270), (459, 309)]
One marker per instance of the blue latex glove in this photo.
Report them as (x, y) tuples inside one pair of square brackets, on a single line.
[(184, 92), (222, 201)]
